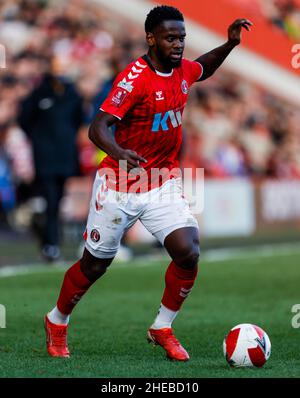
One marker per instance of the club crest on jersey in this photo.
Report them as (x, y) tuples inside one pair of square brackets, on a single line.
[(159, 96), (118, 97), (184, 87), (126, 85), (95, 235)]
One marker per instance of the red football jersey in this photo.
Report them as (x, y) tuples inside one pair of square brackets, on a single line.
[(149, 106)]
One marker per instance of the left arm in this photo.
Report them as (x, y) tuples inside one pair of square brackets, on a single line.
[(212, 60)]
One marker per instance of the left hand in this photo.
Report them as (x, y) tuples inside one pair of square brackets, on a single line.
[(235, 29)]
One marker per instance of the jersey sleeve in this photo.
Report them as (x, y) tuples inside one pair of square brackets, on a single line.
[(125, 93), (194, 71)]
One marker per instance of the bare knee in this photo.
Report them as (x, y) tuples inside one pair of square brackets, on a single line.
[(92, 267), (188, 257)]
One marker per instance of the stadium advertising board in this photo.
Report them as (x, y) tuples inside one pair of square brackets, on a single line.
[(279, 203), (228, 208)]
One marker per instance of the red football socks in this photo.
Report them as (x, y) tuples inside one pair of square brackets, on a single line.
[(178, 284), (74, 286)]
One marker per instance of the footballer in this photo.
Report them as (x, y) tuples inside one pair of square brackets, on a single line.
[(139, 178)]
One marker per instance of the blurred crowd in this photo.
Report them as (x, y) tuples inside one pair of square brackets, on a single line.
[(61, 59), (237, 129), (72, 41), (74, 49), (283, 14)]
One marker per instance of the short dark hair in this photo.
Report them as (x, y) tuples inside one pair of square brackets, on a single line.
[(159, 14)]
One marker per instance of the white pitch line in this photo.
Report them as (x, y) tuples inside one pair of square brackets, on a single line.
[(38, 268), (23, 269), (252, 252), (209, 256)]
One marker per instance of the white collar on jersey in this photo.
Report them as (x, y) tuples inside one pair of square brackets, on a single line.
[(164, 74)]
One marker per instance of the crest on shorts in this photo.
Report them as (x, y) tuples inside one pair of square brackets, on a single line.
[(95, 235), (184, 87)]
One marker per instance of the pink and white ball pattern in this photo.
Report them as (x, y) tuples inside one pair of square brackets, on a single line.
[(247, 345)]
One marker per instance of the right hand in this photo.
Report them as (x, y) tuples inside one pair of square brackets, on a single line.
[(132, 158)]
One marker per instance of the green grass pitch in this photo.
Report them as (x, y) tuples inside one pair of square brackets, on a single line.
[(108, 327)]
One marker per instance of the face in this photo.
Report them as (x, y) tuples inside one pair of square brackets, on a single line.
[(167, 42)]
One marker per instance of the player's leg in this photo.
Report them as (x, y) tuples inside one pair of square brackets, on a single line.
[(103, 235), (183, 247), (177, 229), (77, 280)]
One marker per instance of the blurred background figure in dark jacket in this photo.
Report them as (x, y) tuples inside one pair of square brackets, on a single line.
[(51, 116)]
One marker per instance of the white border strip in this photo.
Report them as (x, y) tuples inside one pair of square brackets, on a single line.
[(200, 40)]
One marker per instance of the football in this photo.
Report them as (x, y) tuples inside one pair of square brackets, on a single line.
[(247, 345)]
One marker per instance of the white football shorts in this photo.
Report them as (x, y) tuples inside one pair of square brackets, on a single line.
[(161, 210)]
